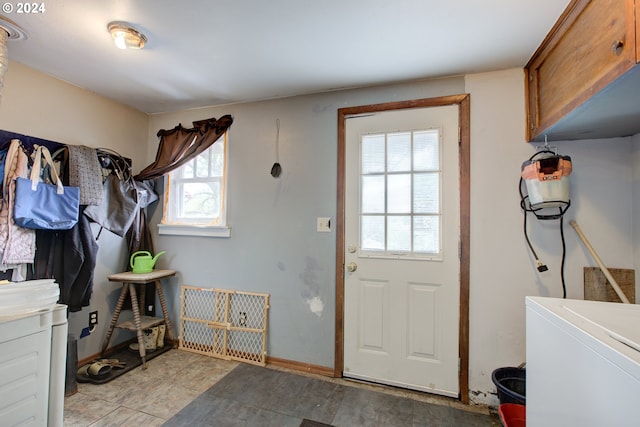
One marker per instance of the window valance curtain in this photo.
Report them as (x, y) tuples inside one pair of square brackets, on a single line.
[(179, 145)]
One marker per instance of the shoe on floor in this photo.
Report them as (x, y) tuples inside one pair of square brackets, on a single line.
[(94, 370), (114, 363)]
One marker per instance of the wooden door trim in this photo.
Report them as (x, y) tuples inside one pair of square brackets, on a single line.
[(463, 103)]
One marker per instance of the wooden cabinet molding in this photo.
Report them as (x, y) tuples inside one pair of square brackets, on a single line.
[(592, 44)]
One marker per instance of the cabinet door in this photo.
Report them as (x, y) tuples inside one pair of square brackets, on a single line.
[(591, 44)]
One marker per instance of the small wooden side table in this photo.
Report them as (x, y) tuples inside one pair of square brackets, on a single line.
[(140, 322)]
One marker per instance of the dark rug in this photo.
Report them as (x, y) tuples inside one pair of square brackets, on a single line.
[(254, 396), (310, 423), (129, 358)]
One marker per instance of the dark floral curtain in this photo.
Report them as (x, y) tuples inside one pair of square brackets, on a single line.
[(179, 145)]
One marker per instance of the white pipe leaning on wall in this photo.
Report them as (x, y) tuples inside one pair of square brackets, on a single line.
[(604, 269)]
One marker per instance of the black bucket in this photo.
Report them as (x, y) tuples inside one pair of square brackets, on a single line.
[(70, 384), (511, 385)]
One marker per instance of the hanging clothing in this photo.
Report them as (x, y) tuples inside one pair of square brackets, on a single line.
[(85, 172), (69, 256), (3, 157), (18, 245)]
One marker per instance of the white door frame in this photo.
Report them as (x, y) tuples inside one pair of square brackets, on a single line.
[(463, 103)]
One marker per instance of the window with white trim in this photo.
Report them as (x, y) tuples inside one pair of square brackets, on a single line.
[(195, 195)]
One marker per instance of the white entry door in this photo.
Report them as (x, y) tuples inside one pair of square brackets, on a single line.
[(402, 230)]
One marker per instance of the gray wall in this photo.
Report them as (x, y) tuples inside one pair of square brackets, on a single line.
[(274, 246), (635, 199)]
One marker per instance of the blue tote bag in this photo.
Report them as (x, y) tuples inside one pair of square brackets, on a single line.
[(44, 206)]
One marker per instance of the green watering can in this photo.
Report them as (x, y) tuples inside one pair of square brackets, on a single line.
[(142, 262)]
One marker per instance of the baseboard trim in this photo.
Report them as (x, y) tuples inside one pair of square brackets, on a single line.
[(300, 367), (275, 361)]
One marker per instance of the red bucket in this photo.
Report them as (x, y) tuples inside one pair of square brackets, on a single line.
[(512, 415)]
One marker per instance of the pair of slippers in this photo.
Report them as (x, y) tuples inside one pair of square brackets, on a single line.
[(100, 368)]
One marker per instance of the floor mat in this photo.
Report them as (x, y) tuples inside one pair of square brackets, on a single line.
[(130, 359), (251, 395)]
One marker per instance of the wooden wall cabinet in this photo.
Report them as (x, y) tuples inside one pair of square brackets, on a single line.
[(583, 81)]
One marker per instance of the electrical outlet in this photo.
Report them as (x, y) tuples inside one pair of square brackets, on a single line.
[(93, 318), (323, 225), (242, 318)]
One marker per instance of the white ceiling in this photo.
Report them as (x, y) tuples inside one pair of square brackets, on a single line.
[(209, 52)]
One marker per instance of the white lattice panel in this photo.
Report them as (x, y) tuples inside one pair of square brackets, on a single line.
[(225, 324)]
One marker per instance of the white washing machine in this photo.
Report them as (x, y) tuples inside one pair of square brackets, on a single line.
[(32, 367), (583, 363)]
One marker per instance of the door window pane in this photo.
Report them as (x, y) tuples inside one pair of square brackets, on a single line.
[(426, 193), (372, 233), (373, 194), (426, 231), (426, 150), (399, 233), (399, 152), (373, 153), (399, 193)]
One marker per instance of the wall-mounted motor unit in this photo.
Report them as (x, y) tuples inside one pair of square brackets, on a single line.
[(546, 178)]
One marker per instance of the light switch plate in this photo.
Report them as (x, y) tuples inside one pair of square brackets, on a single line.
[(323, 225)]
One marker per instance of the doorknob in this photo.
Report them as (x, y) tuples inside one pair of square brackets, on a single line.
[(351, 267)]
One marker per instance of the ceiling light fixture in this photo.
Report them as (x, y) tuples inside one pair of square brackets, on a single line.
[(14, 32), (125, 36)]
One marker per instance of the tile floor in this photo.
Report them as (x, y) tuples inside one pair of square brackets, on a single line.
[(145, 397), (178, 378)]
